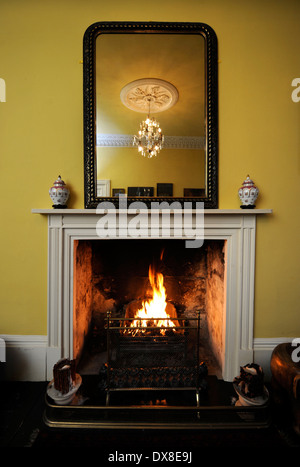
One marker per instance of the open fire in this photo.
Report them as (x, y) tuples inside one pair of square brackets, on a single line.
[(151, 347), (153, 313)]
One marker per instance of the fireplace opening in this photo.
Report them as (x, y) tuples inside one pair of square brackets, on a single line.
[(148, 313)]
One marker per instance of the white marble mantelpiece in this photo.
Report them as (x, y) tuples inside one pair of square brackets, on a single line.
[(236, 226)]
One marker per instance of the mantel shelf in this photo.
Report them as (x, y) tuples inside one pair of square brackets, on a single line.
[(206, 211)]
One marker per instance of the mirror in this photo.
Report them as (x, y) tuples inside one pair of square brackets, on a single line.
[(165, 71)]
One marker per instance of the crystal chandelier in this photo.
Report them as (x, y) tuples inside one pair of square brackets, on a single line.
[(143, 95), (150, 138)]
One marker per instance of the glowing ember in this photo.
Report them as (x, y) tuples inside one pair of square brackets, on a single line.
[(153, 312)]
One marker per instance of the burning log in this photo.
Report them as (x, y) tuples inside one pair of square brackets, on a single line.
[(144, 323), (156, 312)]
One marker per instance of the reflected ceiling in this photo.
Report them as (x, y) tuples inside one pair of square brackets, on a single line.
[(178, 59)]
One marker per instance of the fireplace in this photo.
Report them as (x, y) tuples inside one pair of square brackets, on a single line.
[(92, 281), (237, 228)]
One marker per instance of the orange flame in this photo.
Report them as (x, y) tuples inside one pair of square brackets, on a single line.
[(154, 310)]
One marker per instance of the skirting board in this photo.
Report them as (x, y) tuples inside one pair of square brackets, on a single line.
[(24, 358)]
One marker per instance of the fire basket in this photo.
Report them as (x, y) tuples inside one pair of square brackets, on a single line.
[(160, 358)]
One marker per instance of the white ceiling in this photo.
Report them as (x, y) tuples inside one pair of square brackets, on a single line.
[(179, 59)]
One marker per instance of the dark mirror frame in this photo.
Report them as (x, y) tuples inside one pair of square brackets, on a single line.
[(89, 51)]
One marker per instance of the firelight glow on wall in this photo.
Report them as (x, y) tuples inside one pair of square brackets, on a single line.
[(149, 95), (2, 90)]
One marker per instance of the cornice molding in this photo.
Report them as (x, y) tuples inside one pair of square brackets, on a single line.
[(170, 142)]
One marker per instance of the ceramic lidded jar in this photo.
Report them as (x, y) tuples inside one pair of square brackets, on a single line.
[(248, 194), (59, 193)]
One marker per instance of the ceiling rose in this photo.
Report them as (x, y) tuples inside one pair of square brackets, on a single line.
[(149, 95)]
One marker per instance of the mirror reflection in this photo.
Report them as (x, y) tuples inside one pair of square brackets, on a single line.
[(150, 112), (158, 76)]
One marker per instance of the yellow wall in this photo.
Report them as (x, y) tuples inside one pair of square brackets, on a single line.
[(41, 136), (169, 167)]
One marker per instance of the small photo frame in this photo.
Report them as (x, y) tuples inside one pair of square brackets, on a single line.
[(103, 187), (118, 191), (140, 191), (164, 189)]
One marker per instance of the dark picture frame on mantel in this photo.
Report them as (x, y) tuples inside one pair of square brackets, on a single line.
[(210, 199)]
